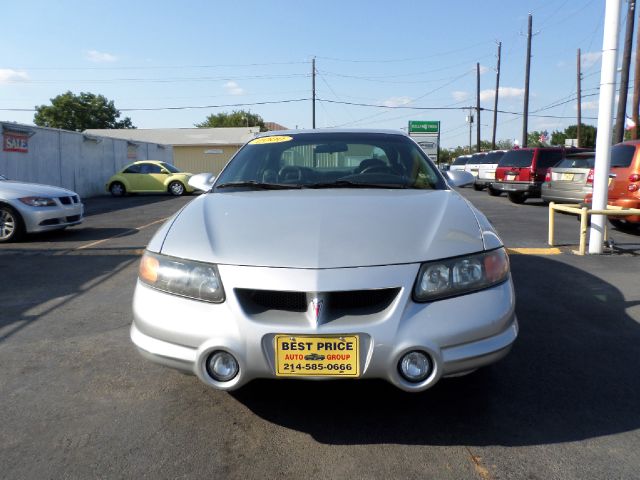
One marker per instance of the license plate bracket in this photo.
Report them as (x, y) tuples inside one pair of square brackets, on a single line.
[(317, 355)]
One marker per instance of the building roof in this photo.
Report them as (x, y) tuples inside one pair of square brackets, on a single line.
[(273, 126), (182, 136)]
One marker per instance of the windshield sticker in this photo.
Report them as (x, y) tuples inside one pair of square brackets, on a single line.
[(274, 139)]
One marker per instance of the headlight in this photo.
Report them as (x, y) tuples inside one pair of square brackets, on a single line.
[(186, 278), (38, 201), (457, 276)]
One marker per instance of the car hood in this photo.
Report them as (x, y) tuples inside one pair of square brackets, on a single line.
[(322, 228), (15, 189)]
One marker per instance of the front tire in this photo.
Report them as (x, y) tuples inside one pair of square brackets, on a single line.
[(11, 225), (493, 192), (176, 189), (517, 197), (117, 189), (477, 187)]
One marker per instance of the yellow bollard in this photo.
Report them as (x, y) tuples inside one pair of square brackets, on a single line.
[(551, 223), (583, 231)]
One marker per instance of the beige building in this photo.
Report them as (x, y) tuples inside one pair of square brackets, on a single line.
[(195, 150)]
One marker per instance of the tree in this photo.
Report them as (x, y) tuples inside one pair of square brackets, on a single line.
[(533, 139), (80, 112), (587, 135), (237, 118)]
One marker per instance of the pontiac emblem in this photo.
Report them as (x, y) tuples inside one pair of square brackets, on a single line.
[(316, 307)]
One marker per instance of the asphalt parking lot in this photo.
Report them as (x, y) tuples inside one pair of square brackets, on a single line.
[(79, 402)]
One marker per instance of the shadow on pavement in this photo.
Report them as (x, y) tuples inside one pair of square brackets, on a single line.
[(573, 374), (75, 234), (106, 204), (48, 284)]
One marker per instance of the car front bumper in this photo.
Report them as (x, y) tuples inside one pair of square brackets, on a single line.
[(459, 334), (43, 219)]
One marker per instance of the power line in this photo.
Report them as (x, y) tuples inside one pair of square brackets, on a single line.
[(155, 109), (161, 80), (400, 60), (161, 67)]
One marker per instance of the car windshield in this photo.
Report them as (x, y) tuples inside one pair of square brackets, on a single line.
[(492, 158), (477, 158), (461, 161), (170, 167), (585, 161), (621, 155), (330, 160), (516, 158)]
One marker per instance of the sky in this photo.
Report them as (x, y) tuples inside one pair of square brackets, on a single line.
[(170, 64)]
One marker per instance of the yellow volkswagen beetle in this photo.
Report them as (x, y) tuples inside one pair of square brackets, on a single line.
[(149, 176)]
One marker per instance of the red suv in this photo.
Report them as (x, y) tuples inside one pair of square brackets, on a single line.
[(521, 172)]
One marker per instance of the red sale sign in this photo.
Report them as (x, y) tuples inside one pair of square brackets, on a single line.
[(15, 142)]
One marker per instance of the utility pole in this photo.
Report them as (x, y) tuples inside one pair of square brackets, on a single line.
[(624, 76), (313, 92), (495, 102), (470, 120), (579, 99), (636, 90), (478, 107), (525, 118), (635, 106)]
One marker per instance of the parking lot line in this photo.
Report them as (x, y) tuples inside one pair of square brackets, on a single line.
[(121, 234), (534, 251)]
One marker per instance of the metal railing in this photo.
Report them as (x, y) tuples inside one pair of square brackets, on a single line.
[(583, 212)]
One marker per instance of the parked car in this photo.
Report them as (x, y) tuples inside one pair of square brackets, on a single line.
[(474, 162), (521, 172), (571, 180), (487, 171), (624, 187), (460, 162), (31, 207), (149, 176), (302, 247)]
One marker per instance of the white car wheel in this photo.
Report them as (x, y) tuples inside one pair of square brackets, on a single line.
[(176, 188), (10, 224)]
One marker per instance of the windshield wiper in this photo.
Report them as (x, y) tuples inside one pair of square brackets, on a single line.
[(258, 185), (352, 184)]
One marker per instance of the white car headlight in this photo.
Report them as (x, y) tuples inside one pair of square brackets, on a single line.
[(185, 278), (457, 276), (38, 201)]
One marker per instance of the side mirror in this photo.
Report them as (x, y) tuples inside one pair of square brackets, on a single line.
[(459, 178), (202, 181), (164, 172)]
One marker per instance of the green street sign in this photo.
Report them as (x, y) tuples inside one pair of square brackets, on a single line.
[(417, 126)]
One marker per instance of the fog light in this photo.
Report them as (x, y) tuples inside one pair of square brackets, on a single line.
[(222, 366), (415, 366)]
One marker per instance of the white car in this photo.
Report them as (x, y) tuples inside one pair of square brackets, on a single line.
[(487, 171), (324, 255), (474, 162), (459, 163), (31, 208)]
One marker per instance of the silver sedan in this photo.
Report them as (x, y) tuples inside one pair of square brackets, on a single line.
[(325, 255), (30, 208)]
